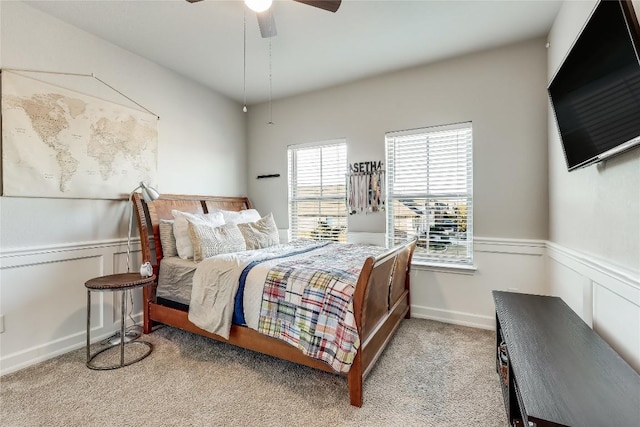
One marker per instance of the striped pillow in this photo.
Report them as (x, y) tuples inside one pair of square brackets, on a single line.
[(167, 239)]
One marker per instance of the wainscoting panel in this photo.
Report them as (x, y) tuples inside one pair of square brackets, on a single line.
[(44, 300), (464, 297), (574, 289), (617, 320), (605, 296)]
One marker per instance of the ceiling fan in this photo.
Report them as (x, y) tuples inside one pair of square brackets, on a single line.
[(265, 16)]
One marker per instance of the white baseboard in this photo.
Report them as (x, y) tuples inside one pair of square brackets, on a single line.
[(31, 356), (454, 317)]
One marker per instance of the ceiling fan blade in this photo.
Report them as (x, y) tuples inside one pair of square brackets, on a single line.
[(330, 5), (193, 1), (267, 24)]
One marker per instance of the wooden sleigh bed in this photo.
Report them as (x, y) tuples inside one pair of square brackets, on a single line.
[(380, 302)]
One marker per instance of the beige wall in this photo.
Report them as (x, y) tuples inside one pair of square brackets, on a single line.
[(50, 247), (501, 91), (201, 141), (595, 210), (593, 256)]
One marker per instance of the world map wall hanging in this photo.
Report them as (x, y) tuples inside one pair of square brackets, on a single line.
[(60, 143)]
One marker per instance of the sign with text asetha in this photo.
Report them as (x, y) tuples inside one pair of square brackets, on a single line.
[(60, 143)]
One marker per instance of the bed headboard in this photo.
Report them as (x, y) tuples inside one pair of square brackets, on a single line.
[(150, 214)]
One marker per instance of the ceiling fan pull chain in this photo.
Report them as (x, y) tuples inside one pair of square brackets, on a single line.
[(270, 88), (244, 60)]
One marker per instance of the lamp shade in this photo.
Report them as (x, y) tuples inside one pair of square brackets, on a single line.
[(149, 194)]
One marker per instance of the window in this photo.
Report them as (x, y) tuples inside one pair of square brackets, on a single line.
[(317, 191), (429, 184)]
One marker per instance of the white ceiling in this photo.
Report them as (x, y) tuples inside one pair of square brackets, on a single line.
[(314, 48)]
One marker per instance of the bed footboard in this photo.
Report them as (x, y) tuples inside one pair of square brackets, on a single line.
[(381, 301)]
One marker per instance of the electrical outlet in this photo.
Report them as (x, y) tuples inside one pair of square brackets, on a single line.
[(1, 323)]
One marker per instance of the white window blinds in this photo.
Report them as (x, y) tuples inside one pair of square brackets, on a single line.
[(317, 191), (430, 192)]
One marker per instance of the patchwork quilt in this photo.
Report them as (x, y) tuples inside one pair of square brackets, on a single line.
[(308, 303), (301, 293)]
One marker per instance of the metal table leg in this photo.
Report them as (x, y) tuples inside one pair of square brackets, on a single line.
[(121, 344), (88, 326), (122, 317)]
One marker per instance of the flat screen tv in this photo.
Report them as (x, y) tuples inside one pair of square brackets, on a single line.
[(595, 94)]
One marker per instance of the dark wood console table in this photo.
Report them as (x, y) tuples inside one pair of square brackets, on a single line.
[(555, 370)]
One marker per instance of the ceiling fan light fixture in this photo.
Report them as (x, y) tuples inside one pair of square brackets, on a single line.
[(258, 5)]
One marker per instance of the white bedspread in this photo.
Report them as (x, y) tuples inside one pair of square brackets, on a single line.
[(215, 284)]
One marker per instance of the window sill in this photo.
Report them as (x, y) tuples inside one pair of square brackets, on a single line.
[(444, 268)]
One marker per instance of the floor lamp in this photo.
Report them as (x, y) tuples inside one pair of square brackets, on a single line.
[(149, 194)]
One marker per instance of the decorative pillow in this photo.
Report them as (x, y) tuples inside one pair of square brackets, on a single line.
[(181, 229), (167, 239), (240, 217), (260, 234), (209, 240)]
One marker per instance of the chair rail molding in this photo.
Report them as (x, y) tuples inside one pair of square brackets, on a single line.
[(623, 282)]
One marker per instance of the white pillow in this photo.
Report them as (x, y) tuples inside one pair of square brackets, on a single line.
[(240, 217), (181, 229)]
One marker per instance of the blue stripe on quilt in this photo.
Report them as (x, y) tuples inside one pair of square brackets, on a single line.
[(238, 308)]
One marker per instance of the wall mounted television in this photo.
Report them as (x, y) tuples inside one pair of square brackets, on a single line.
[(595, 94)]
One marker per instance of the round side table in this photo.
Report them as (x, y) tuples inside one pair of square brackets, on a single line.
[(113, 283)]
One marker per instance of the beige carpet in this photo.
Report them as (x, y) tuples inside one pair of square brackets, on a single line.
[(432, 374)]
